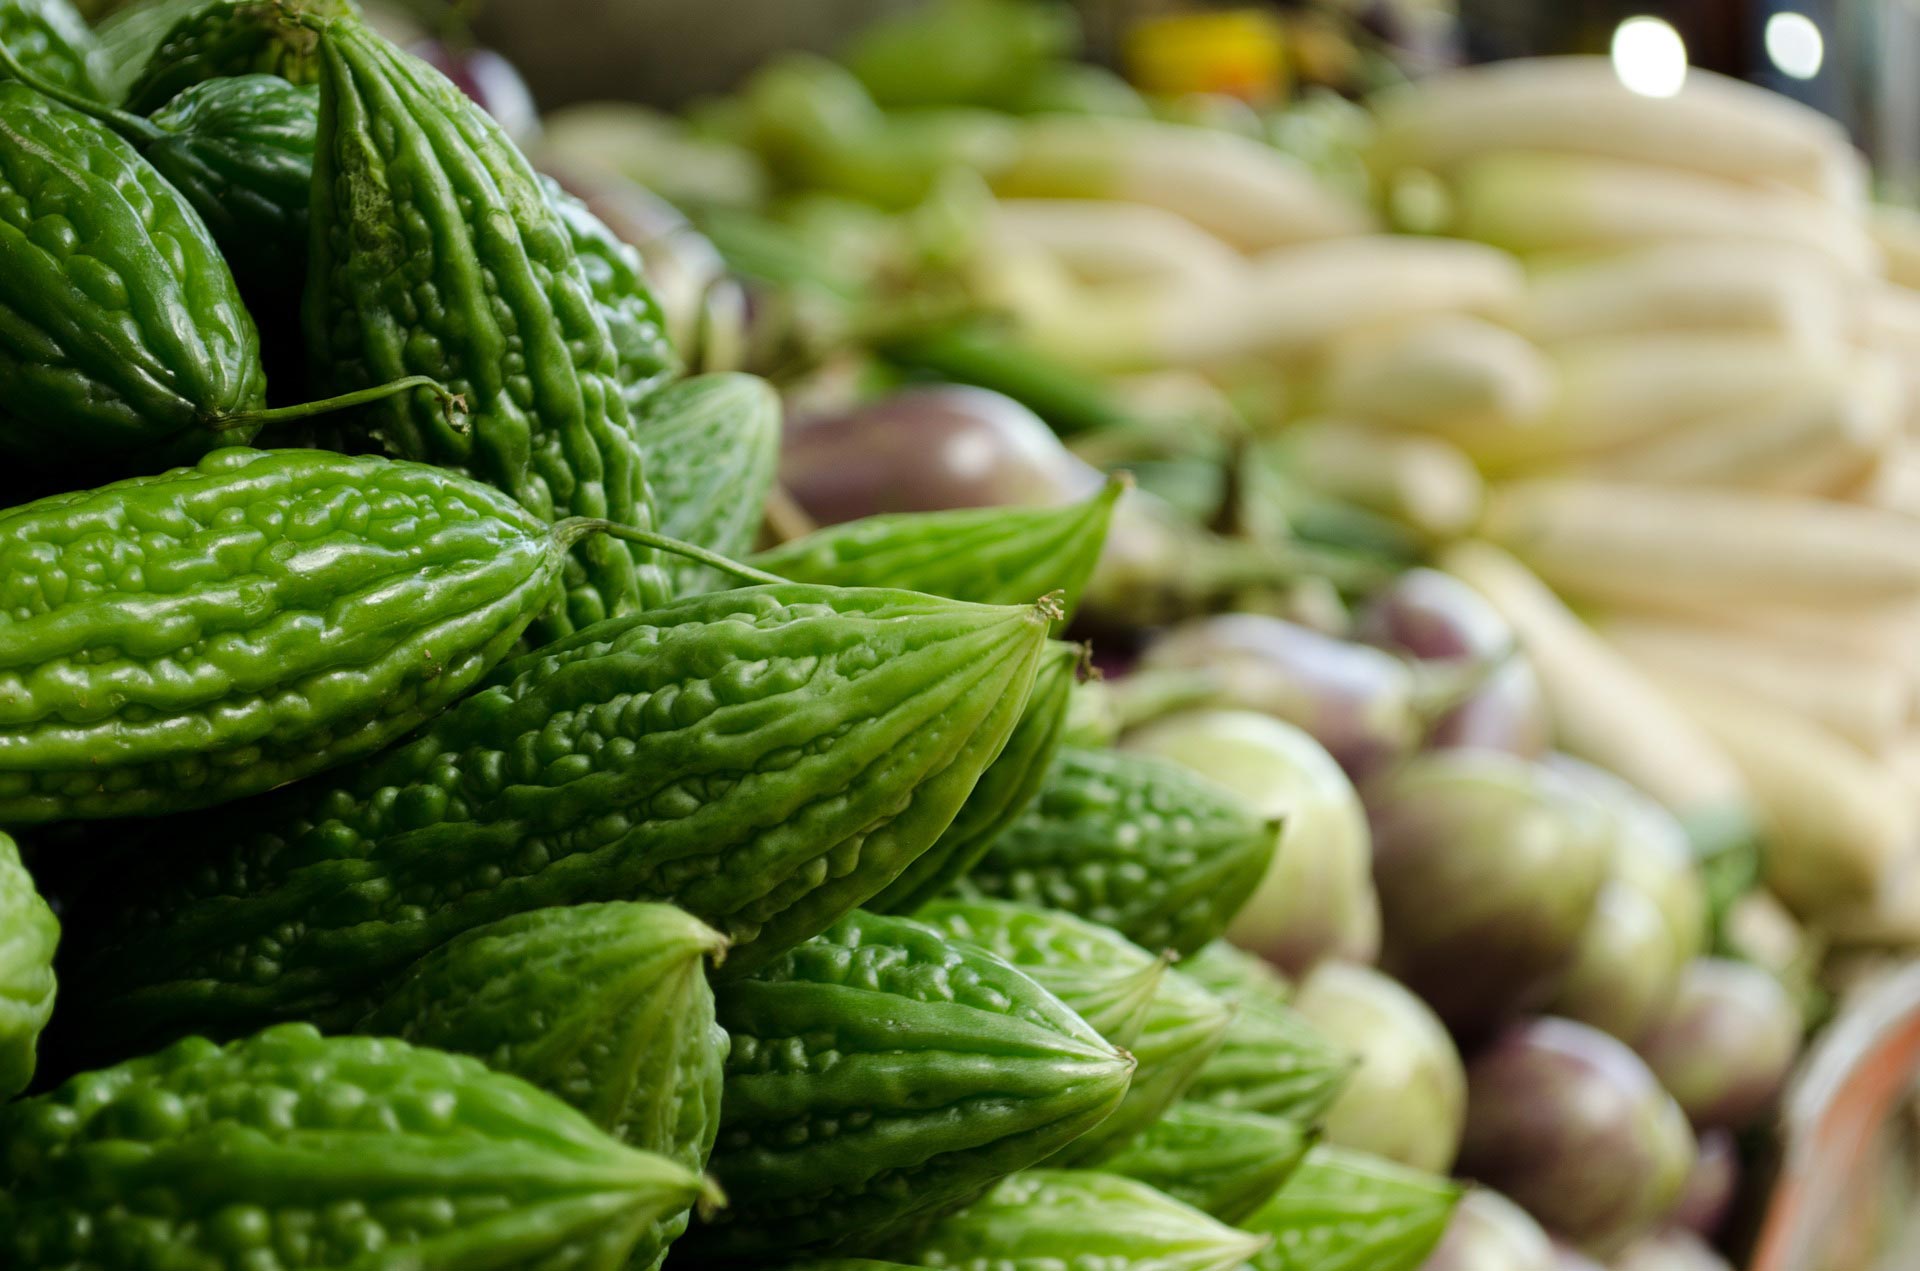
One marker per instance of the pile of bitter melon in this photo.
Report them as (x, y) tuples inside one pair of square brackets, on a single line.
[(454, 870)]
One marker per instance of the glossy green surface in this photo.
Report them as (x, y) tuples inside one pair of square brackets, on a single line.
[(1106, 979), (28, 935), (241, 150), (1083, 1220), (289, 1150), (606, 1006), (52, 41), (633, 317), (1161, 855), (882, 1075), (1342, 1211), (186, 639), (765, 758), (126, 343), (710, 446), (1223, 1162), (1004, 792), (434, 251), (996, 556), (1273, 1061), (220, 38), (1183, 1029)]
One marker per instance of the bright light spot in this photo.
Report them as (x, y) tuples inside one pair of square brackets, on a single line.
[(1794, 44), (1649, 57)]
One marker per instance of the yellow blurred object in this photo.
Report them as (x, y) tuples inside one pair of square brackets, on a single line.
[(1238, 52)]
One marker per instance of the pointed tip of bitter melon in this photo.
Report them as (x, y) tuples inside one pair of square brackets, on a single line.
[(1052, 607)]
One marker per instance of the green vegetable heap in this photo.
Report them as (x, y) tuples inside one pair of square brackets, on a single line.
[(458, 852)]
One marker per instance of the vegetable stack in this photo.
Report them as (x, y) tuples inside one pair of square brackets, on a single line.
[(451, 866)]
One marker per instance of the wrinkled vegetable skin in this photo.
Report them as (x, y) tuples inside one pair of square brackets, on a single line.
[(434, 251)]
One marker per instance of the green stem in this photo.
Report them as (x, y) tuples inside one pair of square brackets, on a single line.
[(575, 528), (450, 401), (133, 127)]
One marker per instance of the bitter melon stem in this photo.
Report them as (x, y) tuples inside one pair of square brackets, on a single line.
[(134, 128), (575, 528), (452, 403)]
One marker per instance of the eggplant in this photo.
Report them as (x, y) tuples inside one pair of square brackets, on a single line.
[(1362, 704), (1488, 869), (1491, 1233), (1650, 919), (1406, 1101), (1727, 1044), (928, 449), (1574, 1127), (1672, 1250), (1711, 1184), (1317, 899)]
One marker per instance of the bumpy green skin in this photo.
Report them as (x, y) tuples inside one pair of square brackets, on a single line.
[(241, 150), (710, 446), (633, 316), (606, 1006), (1161, 855), (1221, 1162), (28, 935), (221, 38), (1342, 1211), (51, 39), (290, 1150), (994, 556), (1184, 1028), (1004, 792), (126, 343), (1082, 1220), (883, 1075), (181, 640), (434, 251), (1106, 979), (765, 758), (1272, 1061)]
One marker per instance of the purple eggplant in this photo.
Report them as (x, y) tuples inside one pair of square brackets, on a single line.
[(1727, 1044), (1711, 1184), (925, 449), (1671, 1250), (1443, 623), (1360, 703), (1651, 918), (1573, 1126), (1488, 869), (1408, 1097), (1491, 1233)]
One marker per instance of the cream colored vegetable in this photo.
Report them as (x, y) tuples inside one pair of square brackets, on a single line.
[(1283, 305), (1532, 202), (1102, 242), (1896, 231), (1603, 709), (1423, 481), (1406, 1101), (1626, 543), (1714, 124), (1837, 825), (1867, 703), (1815, 439), (1788, 292), (1248, 194), (1436, 371), (1618, 391), (1317, 899)]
